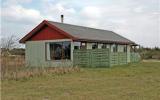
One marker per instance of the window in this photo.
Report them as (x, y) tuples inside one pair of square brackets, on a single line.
[(125, 49), (115, 48), (76, 47), (104, 46), (83, 45), (94, 45), (58, 50)]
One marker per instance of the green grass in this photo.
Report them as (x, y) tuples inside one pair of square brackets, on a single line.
[(130, 82)]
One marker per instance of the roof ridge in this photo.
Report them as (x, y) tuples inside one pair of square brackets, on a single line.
[(80, 26)]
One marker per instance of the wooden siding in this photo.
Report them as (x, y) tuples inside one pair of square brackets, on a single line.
[(46, 33)]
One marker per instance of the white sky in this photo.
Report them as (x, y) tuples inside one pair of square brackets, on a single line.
[(137, 20)]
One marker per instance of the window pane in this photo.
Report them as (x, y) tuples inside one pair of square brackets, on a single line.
[(51, 46), (76, 47), (104, 46), (59, 50), (125, 48), (115, 48), (83, 45), (66, 50), (56, 52), (94, 45)]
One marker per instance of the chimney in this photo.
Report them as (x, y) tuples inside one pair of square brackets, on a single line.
[(62, 18)]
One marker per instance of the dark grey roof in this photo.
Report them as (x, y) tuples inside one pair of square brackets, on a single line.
[(90, 33)]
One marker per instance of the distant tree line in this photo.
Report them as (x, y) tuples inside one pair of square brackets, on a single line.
[(149, 53)]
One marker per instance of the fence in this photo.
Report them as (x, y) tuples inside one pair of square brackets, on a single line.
[(91, 58), (101, 58), (118, 58), (135, 57)]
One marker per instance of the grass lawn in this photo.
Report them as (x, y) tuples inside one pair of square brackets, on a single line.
[(130, 82)]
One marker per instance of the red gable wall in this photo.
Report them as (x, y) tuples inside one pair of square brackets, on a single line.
[(47, 33)]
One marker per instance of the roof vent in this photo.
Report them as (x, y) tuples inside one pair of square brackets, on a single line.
[(62, 17)]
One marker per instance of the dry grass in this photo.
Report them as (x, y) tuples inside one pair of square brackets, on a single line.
[(13, 68), (151, 60), (26, 73), (130, 82), (11, 63)]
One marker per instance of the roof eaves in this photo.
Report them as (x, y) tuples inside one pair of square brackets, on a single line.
[(104, 41)]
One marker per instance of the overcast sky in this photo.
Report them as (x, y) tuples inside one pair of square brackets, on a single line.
[(137, 20)]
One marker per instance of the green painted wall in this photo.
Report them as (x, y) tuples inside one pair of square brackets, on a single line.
[(128, 53), (121, 48), (35, 55), (89, 45)]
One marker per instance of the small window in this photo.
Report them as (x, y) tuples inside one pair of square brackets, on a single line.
[(83, 45), (58, 50), (76, 47), (104, 46), (125, 49), (115, 48), (94, 45)]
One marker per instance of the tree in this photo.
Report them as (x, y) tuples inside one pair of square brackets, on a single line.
[(9, 42)]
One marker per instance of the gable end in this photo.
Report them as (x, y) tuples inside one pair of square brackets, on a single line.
[(46, 31)]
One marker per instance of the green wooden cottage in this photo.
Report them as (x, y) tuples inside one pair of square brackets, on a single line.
[(53, 44)]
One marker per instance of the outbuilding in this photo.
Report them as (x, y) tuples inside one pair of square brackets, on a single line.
[(54, 44)]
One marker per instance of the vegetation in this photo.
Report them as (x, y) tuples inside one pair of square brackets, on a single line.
[(28, 72), (149, 53), (13, 68), (128, 82), (10, 42)]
